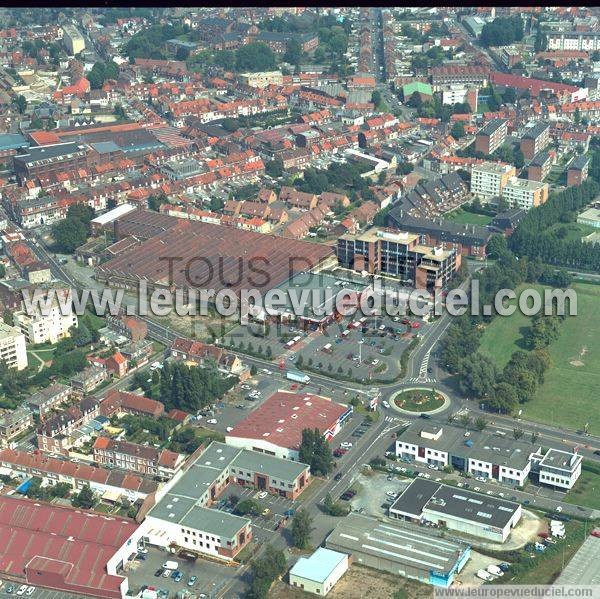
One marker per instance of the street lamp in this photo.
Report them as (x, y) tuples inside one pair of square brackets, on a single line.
[(360, 344)]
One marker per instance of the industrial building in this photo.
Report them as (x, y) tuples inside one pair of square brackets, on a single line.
[(559, 469), (471, 513), (488, 179), (67, 550), (43, 161), (398, 254), (488, 454), (590, 217), (182, 517), (400, 548), (319, 572), (276, 426)]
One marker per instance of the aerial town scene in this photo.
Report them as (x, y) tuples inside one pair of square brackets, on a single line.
[(299, 301)]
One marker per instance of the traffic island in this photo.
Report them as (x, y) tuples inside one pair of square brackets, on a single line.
[(418, 400)]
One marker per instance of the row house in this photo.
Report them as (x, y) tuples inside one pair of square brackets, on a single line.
[(55, 434), (44, 401), (161, 463), (52, 471), (14, 423), (122, 402), (88, 379), (298, 199), (200, 354)]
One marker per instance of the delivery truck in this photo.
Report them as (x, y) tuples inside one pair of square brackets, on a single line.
[(298, 377)]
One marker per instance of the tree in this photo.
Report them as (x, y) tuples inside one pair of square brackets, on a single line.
[(301, 529), (97, 75), (293, 52), (504, 398), (274, 168), (84, 499), (69, 234), (478, 375), (265, 570), (83, 212), (315, 451), (255, 56), (2, 271), (509, 96), (247, 506), (465, 420), (480, 423), (253, 370), (155, 201), (518, 433), (21, 103), (376, 97), (81, 335), (458, 130)]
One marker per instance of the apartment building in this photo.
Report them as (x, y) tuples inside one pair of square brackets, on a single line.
[(540, 166), (489, 179), (46, 328), (13, 351), (72, 39), (44, 161), (261, 79), (13, 423), (398, 254), (535, 139), (138, 458), (459, 94), (88, 379), (577, 172), (491, 136), (524, 193), (587, 41), (473, 75)]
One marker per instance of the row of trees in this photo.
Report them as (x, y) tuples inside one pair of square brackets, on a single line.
[(192, 388), (535, 238)]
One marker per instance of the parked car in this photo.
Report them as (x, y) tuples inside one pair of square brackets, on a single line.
[(385, 404), (159, 573), (346, 445), (265, 512), (504, 566), (338, 476), (30, 590), (142, 550), (21, 590), (262, 494), (177, 576), (229, 429), (192, 580), (212, 421), (167, 573)]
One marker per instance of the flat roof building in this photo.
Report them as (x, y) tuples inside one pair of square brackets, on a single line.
[(577, 171), (488, 179), (524, 193), (590, 217), (182, 517), (400, 548), (457, 509), (491, 136), (535, 139), (319, 572), (276, 426)]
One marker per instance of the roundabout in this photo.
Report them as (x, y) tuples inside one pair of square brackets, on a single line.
[(419, 400)]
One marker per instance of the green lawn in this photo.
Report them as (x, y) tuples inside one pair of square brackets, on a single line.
[(466, 217), (569, 395), (572, 231), (585, 492), (504, 334), (421, 400)]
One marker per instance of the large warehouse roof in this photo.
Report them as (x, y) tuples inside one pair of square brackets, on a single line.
[(61, 541), (459, 503), (398, 542), (281, 419), (209, 256)]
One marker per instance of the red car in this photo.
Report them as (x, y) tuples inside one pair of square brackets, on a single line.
[(596, 532), (339, 452), (415, 325), (544, 535), (406, 321)]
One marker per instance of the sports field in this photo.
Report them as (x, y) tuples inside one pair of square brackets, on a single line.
[(569, 396)]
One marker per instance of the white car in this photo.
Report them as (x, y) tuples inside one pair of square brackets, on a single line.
[(229, 429), (262, 494), (425, 475), (375, 362), (142, 550), (460, 484), (385, 404), (559, 508), (21, 590), (30, 590), (403, 469), (391, 494), (266, 371), (346, 445), (421, 475), (489, 493), (432, 467), (211, 421), (167, 573), (476, 489)]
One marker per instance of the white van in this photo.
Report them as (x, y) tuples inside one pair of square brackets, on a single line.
[(484, 575), (492, 569), (171, 565)]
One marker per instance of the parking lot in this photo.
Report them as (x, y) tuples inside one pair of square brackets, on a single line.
[(211, 576), (38, 593)]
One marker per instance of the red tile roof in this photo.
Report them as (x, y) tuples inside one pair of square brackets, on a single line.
[(282, 417)]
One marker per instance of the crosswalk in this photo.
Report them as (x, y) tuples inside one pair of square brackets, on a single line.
[(422, 380), (396, 419)]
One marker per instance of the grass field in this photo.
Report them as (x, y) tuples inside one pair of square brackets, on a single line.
[(569, 395), (469, 218), (585, 492), (505, 333)]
